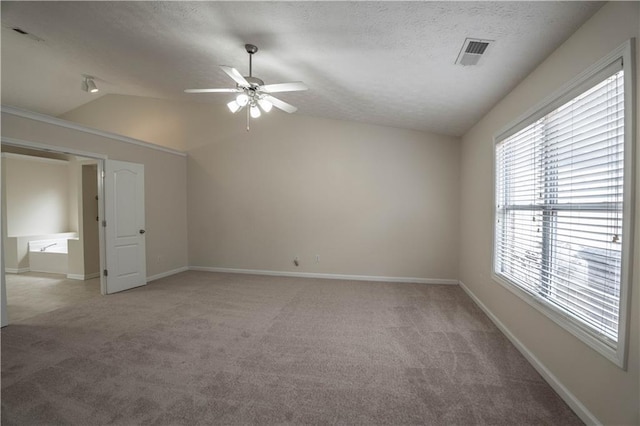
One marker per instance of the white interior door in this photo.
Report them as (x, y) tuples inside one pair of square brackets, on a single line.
[(124, 231)]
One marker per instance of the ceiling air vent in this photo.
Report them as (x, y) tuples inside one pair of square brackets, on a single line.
[(472, 50)]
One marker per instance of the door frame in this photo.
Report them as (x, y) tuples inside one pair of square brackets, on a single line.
[(100, 158)]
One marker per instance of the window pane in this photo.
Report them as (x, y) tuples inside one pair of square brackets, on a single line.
[(559, 195), (586, 268), (519, 247)]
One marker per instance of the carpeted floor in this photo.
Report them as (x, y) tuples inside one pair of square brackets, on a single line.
[(207, 348)]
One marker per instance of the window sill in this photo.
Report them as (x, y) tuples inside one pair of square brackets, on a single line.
[(568, 324)]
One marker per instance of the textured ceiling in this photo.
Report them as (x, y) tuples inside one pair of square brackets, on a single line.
[(389, 63)]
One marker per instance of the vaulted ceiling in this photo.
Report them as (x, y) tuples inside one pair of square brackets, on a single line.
[(390, 63)]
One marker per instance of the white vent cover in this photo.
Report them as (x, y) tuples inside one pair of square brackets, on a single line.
[(472, 50)]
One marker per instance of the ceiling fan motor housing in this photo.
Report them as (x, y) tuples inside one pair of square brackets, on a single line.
[(251, 49), (254, 81)]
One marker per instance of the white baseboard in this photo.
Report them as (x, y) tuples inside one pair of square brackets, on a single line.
[(327, 276), (167, 273), (75, 277), (83, 277), (16, 271), (571, 400)]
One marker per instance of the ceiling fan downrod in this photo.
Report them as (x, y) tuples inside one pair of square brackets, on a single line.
[(251, 49)]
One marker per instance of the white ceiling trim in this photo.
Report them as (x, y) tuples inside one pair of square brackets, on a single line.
[(23, 157), (74, 126), (51, 148)]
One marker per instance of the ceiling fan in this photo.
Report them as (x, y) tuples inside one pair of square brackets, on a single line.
[(252, 92)]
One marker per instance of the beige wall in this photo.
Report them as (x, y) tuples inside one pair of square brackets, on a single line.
[(73, 171), (75, 261), (608, 392), (167, 123), (4, 317), (37, 196), (90, 236), (165, 183), (84, 252), (368, 200)]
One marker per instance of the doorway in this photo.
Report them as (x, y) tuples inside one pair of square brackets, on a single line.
[(122, 247), (51, 218)]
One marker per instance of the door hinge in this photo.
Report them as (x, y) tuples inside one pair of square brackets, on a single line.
[(104, 223), (103, 174), (106, 273)]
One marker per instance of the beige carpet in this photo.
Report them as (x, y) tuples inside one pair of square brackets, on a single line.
[(206, 348)]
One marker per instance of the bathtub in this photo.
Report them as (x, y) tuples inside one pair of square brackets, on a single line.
[(49, 256)]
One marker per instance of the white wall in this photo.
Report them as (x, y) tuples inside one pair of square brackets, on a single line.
[(608, 392), (37, 196), (368, 200)]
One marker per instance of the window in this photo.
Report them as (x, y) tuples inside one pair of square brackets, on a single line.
[(562, 201)]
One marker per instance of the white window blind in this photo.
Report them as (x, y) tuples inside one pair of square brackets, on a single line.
[(559, 206)]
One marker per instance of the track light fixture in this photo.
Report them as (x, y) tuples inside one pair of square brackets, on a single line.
[(88, 85)]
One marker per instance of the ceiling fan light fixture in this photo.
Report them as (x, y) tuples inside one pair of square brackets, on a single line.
[(233, 106), (265, 105), (252, 92), (255, 111), (242, 99)]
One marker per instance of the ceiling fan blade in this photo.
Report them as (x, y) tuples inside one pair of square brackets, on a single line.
[(235, 75), (284, 87), (281, 104), (213, 90)]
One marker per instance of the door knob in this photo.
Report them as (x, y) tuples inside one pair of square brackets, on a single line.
[(142, 231)]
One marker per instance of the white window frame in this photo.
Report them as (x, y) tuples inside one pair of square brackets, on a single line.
[(578, 85)]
